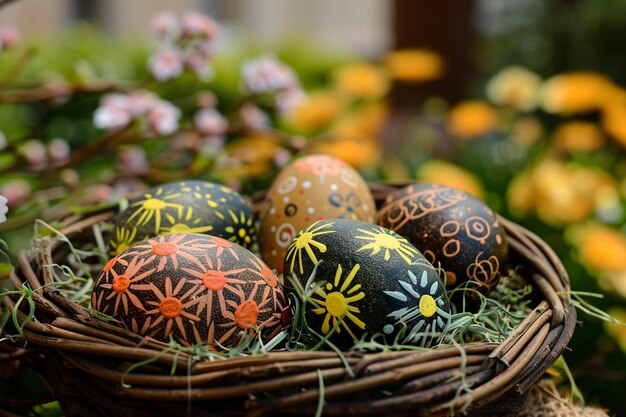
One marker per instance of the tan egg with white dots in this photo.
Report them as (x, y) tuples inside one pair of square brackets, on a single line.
[(311, 188)]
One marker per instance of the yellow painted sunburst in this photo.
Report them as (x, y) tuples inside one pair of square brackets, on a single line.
[(304, 242), (242, 229), (382, 239), (152, 206), (124, 238), (185, 223), (336, 300)]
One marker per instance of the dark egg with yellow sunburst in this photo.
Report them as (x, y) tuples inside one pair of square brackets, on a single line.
[(366, 281), (196, 289), (453, 229), (189, 206)]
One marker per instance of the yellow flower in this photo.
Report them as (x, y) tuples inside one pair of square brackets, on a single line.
[(614, 115), (471, 119), (414, 65), (575, 92), (527, 130), (618, 332), (361, 81), (578, 137), (515, 87), (561, 193), (251, 156), (316, 111), (360, 152), (445, 173), (600, 247), (368, 120)]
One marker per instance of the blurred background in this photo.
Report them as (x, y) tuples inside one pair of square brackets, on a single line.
[(520, 103)]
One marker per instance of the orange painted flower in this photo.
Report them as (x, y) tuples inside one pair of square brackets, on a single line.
[(578, 137), (445, 173), (316, 111), (514, 87), (414, 65), (575, 92), (361, 81), (471, 119)]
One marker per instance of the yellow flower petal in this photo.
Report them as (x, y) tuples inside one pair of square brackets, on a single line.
[(414, 65), (471, 119), (361, 81)]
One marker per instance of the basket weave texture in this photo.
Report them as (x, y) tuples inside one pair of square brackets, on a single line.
[(86, 358)]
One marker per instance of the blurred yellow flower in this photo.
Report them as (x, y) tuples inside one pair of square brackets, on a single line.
[(361, 81), (527, 130), (414, 65), (578, 137), (367, 120), (251, 156), (445, 173), (614, 121), (471, 119), (358, 151), (575, 92), (316, 111), (561, 193), (514, 87), (600, 247), (617, 331)]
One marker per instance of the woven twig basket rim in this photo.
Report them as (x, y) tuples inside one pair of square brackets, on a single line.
[(81, 348)]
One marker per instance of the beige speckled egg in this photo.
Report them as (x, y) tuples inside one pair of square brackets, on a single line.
[(311, 188)]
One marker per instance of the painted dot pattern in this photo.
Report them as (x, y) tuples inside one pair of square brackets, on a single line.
[(196, 288), (312, 188)]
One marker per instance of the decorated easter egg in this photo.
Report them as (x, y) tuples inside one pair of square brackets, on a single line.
[(452, 229), (311, 188), (189, 206), (194, 288), (368, 281)]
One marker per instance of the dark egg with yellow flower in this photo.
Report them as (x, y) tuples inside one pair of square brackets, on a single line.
[(194, 288), (366, 281), (452, 229), (189, 206)]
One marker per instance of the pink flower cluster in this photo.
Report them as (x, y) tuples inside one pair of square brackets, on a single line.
[(40, 156), (3, 209), (185, 44), (9, 38), (267, 75), (118, 110)]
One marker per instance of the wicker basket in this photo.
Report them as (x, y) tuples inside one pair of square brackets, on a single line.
[(87, 358)]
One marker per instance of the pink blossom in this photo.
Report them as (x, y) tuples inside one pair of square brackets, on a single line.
[(166, 64), (140, 102), (194, 23), (289, 98), (4, 209), (9, 38), (165, 25), (185, 140), (253, 117), (282, 158), (206, 99), (267, 75), (163, 118), (133, 160), (16, 192), (59, 151), (113, 113), (210, 122), (35, 154), (198, 63)]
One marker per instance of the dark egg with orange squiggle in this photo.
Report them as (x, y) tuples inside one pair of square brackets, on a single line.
[(452, 229), (196, 289)]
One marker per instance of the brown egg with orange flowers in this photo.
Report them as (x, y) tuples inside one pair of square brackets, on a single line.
[(196, 289), (311, 188), (452, 229)]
